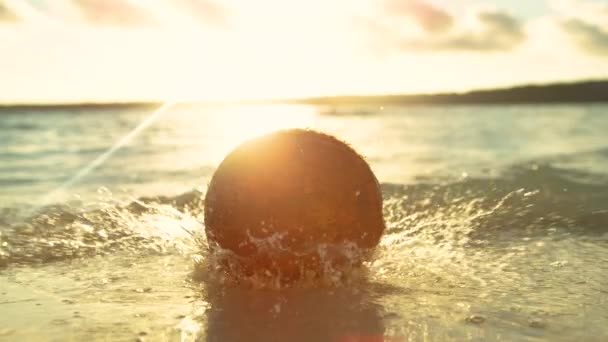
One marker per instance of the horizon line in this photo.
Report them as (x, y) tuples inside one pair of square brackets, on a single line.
[(301, 100)]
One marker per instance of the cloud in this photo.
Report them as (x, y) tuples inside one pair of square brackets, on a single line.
[(488, 31), (113, 13), (119, 13), (498, 31), (208, 12), (6, 14), (432, 19), (592, 38)]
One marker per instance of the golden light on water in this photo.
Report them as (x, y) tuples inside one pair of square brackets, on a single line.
[(211, 133)]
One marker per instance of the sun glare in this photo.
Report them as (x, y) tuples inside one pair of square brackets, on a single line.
[(234, 125)]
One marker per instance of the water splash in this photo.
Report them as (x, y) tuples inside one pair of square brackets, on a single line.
[(140, 227)]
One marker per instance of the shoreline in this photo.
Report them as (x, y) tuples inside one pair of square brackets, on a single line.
[(592, 91)]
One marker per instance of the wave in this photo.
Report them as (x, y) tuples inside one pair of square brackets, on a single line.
[(526, 200), (155, 225)]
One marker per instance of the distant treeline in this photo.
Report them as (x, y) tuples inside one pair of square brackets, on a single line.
[(576, 92), (589, 91), (75, 107)]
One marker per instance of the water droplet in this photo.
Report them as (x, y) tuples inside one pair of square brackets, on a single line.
[(102, 190), (536, 323), (559, 263), (6, 332), (476, 319), (391, 315), (102, 233)]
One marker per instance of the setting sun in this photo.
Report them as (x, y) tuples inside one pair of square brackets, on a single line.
[(241, 123)]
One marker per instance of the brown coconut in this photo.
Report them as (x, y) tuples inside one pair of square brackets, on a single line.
[(292, 201)]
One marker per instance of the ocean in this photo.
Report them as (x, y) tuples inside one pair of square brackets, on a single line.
[(496, 215)]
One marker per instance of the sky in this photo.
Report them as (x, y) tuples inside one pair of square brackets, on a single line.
[(183, 50)]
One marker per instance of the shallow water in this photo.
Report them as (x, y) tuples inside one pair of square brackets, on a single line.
[(497, 227)]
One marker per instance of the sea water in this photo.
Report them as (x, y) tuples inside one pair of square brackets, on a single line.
[(497, 226)]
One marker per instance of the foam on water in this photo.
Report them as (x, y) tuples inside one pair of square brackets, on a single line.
[(58, 232)]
